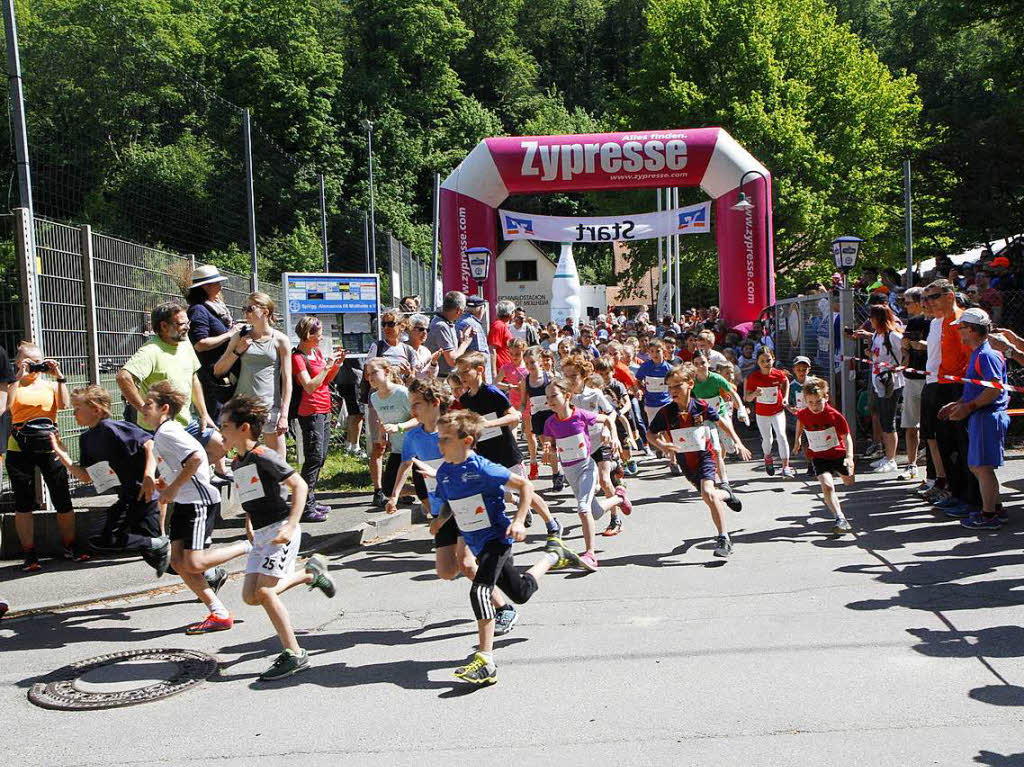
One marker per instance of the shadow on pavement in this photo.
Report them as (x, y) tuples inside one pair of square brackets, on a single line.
[(999, 760)]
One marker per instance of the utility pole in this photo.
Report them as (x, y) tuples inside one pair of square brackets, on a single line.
[(908, 278), (368, 125), (250, 198), (323, 221)]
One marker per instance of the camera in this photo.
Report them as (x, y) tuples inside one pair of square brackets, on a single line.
[(246, 330), (38, 367)]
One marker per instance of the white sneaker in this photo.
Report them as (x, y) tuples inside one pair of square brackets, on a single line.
[(887, 467), (876, 463), (909, 473)]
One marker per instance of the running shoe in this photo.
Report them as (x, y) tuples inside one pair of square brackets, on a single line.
[(873, 449), (534, 470), (723, 546), (558, 482), (589, 562), (286, 664), (566, 556), (769, 466), (313, 515), (626, 505), (674, 468), (958, 510), (161, 556), (323, 508), (631, 468), (941, 496), (557, 531), (360, 454), (75, 554), (31, 563), (878, 462), (886, 468), (317, 566), (504, 619), (211, 624), (614, 527), (479, 671), (842, 527), (4, 607), (948, 501), (733, 502), (220, 577), (379, 499), (528, 522), (909, 473), (980, 521), (1002, 513), (787, 471)]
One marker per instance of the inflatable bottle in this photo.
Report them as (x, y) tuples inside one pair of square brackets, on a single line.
[(566, 299)]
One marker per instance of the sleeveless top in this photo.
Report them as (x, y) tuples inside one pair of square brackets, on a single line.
[(260, 373)]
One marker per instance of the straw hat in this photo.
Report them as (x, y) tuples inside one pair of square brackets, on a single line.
[(206, 275)]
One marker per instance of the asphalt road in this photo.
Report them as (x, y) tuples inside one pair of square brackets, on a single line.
[(900, 645)]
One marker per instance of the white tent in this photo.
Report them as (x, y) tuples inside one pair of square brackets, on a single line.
[(967, 257)]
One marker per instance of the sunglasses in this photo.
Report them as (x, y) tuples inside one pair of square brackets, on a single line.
[(420, 329), (388, 324), (931, 296), (247, 309)]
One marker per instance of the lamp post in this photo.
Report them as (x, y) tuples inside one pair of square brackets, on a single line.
[(744, 204), (368, 127), (845, 251)]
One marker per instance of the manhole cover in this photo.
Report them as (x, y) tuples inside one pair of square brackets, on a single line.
[(123, 679)]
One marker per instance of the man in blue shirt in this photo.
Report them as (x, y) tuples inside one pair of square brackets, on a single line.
[(473, 318), (985, 409)]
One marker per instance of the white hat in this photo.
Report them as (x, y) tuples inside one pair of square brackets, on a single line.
[(802, 359), (974, 316), (206, 275)]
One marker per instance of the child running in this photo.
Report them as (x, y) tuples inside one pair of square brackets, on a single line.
[(567, 433), (651, 375), (795, 403), (473, 491), (262, 480), (829, 446), (185, 481), (717, 392), (390, 401), (768, 388), (682, 427), (532, 388)]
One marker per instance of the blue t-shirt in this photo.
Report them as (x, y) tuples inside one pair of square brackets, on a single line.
[(986, 364), (423, 445), (653, 378), (475, 491), (122, 444)]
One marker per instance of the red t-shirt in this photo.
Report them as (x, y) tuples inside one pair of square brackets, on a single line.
[(497, 338), (624, 375), (775, 379), (829, 418), (685, 355), (320, 400)]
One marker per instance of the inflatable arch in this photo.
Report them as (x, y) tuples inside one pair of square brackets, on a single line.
[(706, 157)]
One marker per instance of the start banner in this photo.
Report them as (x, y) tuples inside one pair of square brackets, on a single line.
[(693, 219)]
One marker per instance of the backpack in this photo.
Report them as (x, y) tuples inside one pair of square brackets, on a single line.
[(293, 406)]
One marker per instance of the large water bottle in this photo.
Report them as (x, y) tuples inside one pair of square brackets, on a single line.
[(566, 299)]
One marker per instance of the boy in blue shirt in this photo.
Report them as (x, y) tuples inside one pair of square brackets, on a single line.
[(651, 376), (473, 490)]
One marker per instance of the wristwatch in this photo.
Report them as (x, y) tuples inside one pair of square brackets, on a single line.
[(61, 380)]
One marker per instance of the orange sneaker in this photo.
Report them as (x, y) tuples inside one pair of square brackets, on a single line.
[(212, 623)]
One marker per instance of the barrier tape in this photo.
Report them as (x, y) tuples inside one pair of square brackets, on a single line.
[(943, 377)]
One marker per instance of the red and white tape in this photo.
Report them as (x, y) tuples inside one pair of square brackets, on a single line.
[(943, 377)]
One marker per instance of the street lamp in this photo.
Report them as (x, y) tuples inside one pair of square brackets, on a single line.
[(844, 253), (743, 204), (371, 264)]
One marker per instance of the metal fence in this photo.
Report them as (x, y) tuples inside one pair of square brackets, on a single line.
[(803, 327), (408, 275)]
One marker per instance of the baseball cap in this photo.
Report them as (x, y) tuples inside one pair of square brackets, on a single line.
[(1001, 261), (474, 301), (802, 359), (974, 316)]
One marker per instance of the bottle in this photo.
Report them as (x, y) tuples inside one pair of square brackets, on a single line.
[(566, 300)]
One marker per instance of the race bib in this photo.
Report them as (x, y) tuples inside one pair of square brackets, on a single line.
[(655, 384), (768, 395), (103, 477), (823, 440), (431, 482), (572, 448), (692, 439), (247, 484), (470, 513), (492, 431), (539, 403), (800, 404)]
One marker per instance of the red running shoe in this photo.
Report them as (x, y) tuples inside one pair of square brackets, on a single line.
[(534, 469), (212, 623)]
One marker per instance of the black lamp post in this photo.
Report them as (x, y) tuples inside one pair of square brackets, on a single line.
[(845, 251), (744, 204)]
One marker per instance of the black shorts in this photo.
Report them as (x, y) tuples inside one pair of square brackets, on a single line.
[(350, 394), (886, 408), (537, 421), (603, 453), (193, 523), (929, 410), (448, 535), (830, 466)]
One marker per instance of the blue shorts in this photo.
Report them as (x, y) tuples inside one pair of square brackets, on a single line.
[(986, 435), (700, 466), (202, 435)]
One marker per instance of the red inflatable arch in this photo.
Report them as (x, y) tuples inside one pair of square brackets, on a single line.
[(705, 157)]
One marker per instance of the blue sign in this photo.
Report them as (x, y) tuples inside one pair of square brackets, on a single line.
[(693, 219), (330, 294)]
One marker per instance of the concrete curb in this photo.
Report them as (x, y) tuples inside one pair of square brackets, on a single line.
[(362, 534)]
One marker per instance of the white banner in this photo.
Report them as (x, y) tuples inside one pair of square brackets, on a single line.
[(693, 219)]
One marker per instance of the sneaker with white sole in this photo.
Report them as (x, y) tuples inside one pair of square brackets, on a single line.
[(842, 527), (909, 473), (886, 468), (723, 546), (504, 619)]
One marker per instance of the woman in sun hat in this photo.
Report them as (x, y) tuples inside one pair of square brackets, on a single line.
[(210, 327)]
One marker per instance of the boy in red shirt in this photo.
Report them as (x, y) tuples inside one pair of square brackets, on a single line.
[(829, 446)]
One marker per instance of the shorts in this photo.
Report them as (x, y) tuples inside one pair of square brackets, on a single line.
[(913, 390), (886, 409), (603, 453), (274, 559), (986, 436), (271, 425), (537, 421), (448, 535), (193, 523), (929, 410), (830, 466), (705, 468), (203, 435), (350, 394)]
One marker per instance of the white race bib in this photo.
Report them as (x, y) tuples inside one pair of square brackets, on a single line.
[(768, 395), (800, 404), (539, 403), (692, 439), (572, 448), (655, 384), (715, 403), (470, 513), (822, 440), (103, 477), (248, 484), (492, 431), (435, 464)]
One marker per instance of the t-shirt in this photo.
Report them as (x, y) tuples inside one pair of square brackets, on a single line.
[(954, 351), (400, 354), (498, 445), (768, 402), (571, 435), (885, 360), (173, 447), (710, 390), (916, 330), (934, 351), (475, 491), (203, 323), (825, 431), (684, 428), (498, 338), (157, 361), (422, 444), (258, 476), (512, 375), (796, 394), (986, 364), (318, 401), (478, 343), (442, 335), (120, 444), (393, 409), (29, 402), (623, 374), (652, 375)]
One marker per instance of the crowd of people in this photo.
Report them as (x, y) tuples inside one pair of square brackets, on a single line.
[(469, 410)]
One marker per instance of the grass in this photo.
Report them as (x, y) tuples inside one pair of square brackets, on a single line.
[(344, 472)]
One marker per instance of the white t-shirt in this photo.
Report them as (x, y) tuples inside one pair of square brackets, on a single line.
[(519, 333), (934, 351), (880, 354), (173, 447)]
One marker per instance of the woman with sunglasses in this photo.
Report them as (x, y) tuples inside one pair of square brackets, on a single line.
[(265, 371), (425, 366)]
